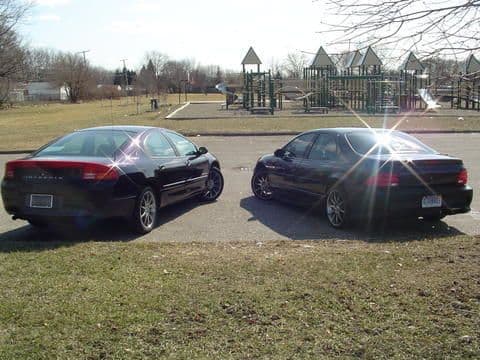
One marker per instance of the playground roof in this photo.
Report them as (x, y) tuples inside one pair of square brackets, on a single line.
[(369, 58), (472, 65), (251, 58), (353, 59), (412, 63), (322, 59)]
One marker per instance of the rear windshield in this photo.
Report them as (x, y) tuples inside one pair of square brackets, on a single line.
[(370, 142), (94, 143)]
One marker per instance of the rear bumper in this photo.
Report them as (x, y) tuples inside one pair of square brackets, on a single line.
[(407, 202), (91, 202)]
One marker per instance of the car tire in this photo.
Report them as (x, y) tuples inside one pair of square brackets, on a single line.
[(145, 212), (215, 185), (261, 186), (337, 208), (433, 218)]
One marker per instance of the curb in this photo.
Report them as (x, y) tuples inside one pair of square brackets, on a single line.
[(267, 133), (248, 116)]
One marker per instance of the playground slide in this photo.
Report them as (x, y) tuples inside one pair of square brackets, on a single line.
[(427, 97), (306, 96), (223, 88)]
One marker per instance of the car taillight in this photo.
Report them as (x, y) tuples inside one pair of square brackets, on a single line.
[(89, 171), (383, 180), (99, 172), (9, 170), (462, 177)]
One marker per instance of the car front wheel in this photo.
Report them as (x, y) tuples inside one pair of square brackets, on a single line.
[(261, 186), (145, 213), (336, 208), (214, 185)]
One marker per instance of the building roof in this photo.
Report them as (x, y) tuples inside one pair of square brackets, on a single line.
[(322, 59), (369, 58), (251, 58), (353, 59), (412, 63), (472, 64)]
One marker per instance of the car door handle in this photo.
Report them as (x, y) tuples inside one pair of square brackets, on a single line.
[(188, 163)]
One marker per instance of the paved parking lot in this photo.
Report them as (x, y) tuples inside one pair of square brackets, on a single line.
[(238, 216)]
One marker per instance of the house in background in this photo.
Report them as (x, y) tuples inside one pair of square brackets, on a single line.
[(17, 94), (44, 91)]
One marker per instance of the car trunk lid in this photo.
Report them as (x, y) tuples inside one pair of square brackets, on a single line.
[(60, 170), (422, 170)]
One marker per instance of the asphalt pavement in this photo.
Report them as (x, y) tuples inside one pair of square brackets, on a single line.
[(238, 216)]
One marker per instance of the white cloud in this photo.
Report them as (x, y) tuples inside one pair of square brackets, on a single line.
[(51, 3), (48, 18), (147, 6)]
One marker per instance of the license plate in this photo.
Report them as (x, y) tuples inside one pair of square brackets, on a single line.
[(432, 201), (41, 201)]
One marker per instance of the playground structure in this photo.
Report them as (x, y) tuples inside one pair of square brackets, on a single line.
[(362, 86), (358, 82), (465, 90), (256, 85)]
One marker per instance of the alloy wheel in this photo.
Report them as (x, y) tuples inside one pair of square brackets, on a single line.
[(261, 186), (336, 208), (214, 185), (148, 209)]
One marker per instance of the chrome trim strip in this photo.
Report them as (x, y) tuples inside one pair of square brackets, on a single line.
[(198, 178), (175, 183), (185, 181)]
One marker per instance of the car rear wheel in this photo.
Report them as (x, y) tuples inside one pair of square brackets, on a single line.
[(214, 185), (336, 208), (261, 186), (145, 213)]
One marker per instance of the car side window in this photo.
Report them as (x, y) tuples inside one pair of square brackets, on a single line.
[(184, 147), (324, 148), (156, 145), (298, 146)]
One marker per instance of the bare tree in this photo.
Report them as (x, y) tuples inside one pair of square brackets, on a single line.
[(152, 78), (294, 64), (72, 71), (39, 63), (441, 27), (276, 67), (11, 50)]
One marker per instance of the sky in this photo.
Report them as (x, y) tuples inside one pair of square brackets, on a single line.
[(209, 31)]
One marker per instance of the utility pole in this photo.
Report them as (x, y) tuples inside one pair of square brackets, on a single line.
[(84, 57), (84, 70), (126, 78)]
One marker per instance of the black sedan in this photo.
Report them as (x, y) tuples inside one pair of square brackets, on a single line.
[(366, 174), (114, 171)]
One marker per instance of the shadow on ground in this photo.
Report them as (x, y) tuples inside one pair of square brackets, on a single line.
[(302, 223), (29, 238)]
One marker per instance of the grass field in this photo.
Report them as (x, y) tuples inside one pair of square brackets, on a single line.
[(278, 300), (29, 126)]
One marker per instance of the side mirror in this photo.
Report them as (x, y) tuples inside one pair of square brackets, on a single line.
[(279, 153), (202, 150)]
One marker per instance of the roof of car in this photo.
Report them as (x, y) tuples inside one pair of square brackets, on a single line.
[(347, 129), (133, 128)]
